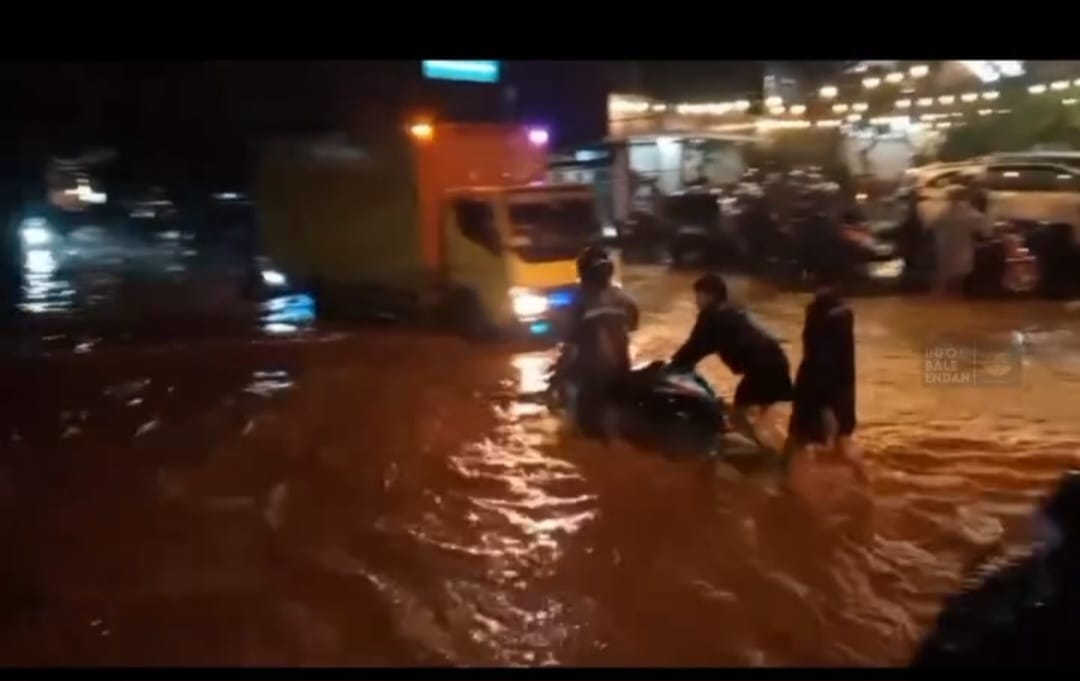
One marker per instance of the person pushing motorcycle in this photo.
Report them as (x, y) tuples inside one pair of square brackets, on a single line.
[(747, 350), (597, 340)]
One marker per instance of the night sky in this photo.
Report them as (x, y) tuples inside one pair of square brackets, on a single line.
[(207, 113)]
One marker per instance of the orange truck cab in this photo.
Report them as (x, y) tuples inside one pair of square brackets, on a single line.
[(450, 219)]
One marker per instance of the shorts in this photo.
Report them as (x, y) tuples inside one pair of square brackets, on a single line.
[(765, 384)]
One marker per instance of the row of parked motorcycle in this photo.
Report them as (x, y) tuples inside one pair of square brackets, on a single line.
[(819, 229)]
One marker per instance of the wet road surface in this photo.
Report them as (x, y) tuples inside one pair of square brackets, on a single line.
[(307, 494)]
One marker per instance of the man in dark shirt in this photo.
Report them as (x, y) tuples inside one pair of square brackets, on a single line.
[(747, 350)]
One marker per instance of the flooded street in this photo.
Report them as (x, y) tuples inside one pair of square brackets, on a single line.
[(282, 492)]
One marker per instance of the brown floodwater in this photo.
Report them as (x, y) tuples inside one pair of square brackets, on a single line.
[(327, 495)]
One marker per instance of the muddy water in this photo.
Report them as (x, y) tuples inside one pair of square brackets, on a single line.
[(329, 496)]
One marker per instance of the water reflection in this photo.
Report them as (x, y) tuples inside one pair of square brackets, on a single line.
[(43, 291), (95, 275), (268, 383), (287, 314), (509, 510), (407, 504), (532, 369)]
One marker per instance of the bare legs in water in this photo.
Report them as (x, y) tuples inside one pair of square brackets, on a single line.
[(834, 442)]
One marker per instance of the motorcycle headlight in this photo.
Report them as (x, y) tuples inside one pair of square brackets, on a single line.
[(35, 232), (526, 303)]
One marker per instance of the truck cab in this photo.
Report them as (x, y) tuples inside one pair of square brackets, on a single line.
[(510, 252)]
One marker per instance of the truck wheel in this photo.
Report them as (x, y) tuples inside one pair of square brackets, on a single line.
[(676, 255), (470, 318)]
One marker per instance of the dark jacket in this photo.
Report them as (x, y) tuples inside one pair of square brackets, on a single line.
[(599, 330), (728, 331), (829, 344), (826, 375)]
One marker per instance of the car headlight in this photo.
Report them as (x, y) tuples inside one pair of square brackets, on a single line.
[(274, 278), (889, 269), (526, 303), (35, 232), (883, 249)]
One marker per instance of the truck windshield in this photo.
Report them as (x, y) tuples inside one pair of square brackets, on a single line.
[(552, 227)]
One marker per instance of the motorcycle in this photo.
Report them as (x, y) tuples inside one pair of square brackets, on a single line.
[(872, 260), (660, 409), (853, 254), (1004, 264)]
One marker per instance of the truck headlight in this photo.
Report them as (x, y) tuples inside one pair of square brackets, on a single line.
[(274, 278), (527, 303), (35, 232)]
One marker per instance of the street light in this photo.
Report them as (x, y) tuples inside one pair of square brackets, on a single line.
[(422, 131), (828, 92), (919, 71)]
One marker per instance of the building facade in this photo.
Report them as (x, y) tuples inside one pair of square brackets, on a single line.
[(890, 113)]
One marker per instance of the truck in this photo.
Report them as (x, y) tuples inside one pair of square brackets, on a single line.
[(441, 222)]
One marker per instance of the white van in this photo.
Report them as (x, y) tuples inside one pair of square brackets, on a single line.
[(1016, 190), (1061, 158)]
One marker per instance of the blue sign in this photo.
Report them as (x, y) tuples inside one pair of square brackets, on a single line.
[(475, 71)]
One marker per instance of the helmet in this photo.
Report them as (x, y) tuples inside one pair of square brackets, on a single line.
[(594, 266)]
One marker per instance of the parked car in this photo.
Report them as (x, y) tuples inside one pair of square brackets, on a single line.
[(920, 176), (1024, 191), (1064, 158), (702, 228)]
